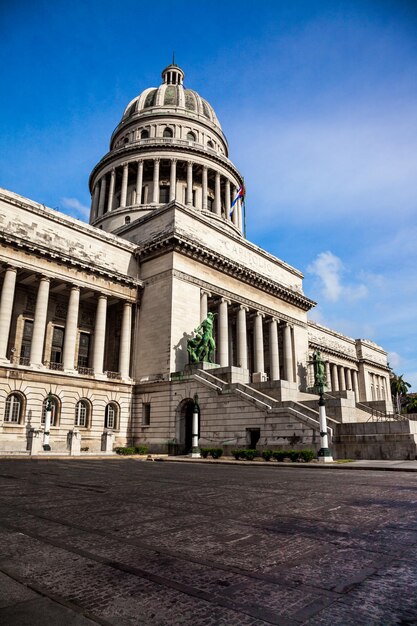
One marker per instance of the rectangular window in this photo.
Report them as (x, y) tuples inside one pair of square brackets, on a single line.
[(84, 350), (57, 344), (210, 202), (26, 339), (146, 414), (163, 194)]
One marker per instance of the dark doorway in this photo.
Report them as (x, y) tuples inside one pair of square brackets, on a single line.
[(252, 437), (188, 426)]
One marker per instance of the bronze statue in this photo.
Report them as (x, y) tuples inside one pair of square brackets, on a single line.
[(201, 347), (319, 372)]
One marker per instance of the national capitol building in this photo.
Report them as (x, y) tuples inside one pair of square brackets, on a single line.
[(99, 315)]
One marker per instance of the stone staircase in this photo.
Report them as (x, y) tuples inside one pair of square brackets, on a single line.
[(265, 403)]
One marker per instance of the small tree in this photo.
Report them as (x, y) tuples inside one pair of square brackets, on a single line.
[(399, 389), (411, 406)]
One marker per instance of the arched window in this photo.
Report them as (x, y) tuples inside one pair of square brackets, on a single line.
[(210, 144), (127, 219), (56, 405), (82, 413), (191, 136), (144, 134), (126, 140), (168, 132), (13, 412), (111, 416)]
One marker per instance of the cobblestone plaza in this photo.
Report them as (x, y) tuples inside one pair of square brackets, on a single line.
[(124, 542)]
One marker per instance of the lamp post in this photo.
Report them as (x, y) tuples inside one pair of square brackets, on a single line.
[(195, 450), (325, 454), (48, 415)]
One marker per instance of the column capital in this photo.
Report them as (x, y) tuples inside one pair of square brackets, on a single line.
[(259, 314), (156, 159), (45, 279), (225, 300), (273, 319), (204, 292), (174, 159), (205, 168), (190, 163), (243, 307), (11, 268)]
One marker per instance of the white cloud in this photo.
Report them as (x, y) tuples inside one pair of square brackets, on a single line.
[(77, 209), (329, 268)]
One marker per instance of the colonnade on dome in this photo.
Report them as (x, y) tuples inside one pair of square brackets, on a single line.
[(145, 183)]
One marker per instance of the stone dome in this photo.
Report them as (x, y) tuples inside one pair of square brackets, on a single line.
[(171, 96)]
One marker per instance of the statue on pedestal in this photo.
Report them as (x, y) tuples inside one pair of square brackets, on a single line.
[(319, 372), (201, 347)]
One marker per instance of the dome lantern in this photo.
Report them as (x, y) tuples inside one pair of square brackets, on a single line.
[(173, 75)]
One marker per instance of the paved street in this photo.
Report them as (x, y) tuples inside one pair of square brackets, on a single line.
[(127, 542)]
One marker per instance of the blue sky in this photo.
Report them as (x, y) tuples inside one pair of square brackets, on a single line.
[(317, 99)]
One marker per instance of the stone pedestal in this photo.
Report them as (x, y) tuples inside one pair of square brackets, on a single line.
[(35, 441), (74, 442), (107, 440)]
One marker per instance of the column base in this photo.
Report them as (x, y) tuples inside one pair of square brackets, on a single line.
[(195, 453), (325, 455)]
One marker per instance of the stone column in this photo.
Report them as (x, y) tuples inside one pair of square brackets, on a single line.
[(223, 351), (94, 203), (203, 305), (217, 196), (335, 378), (99, 334), (355, 384), (125, 339), (348, 379), (242, 338), (258, 336), (239, 216), (205, 188), (227, 200), (39, 323), (273, 349), (6, 308), (342, 378), (155, 191), (173, 180), (288, 362), (111, 190), (328, 376), (71, 326), (189, 197), (139, 181), (125, 178), (102, 196)]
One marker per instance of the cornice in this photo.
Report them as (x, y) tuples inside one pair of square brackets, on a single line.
[(58, 256), (174, 242), (65, 220)]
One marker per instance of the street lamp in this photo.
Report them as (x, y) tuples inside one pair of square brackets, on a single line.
[(48, 416), (195, 450), (325, 454)]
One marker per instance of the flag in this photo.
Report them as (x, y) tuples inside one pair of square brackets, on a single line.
[(239, 196)]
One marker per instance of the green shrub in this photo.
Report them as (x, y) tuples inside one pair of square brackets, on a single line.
[(204, 452), (216, 453), (294, 455), (307, 455), (237, 453), (141, 450), (280, 455), (127, 450), (249, 455), (267, 455)]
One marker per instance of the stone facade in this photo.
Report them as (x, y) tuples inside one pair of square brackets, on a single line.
[(99, 315)]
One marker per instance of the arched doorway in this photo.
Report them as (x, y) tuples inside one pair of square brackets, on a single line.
[(185, 422)]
